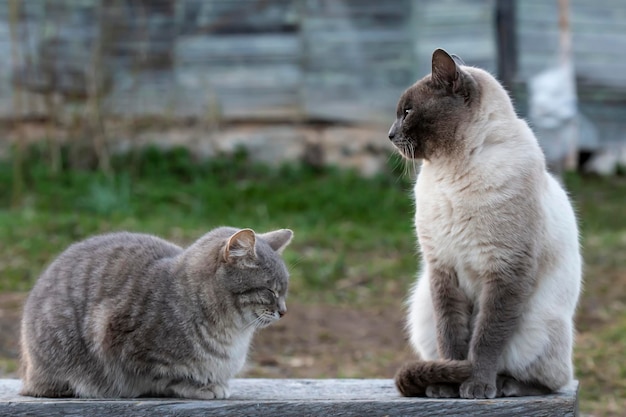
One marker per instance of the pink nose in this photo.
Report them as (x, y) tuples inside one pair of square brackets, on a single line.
[(281, 313)]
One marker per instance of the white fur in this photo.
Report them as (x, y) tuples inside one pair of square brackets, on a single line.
[(506, 162)]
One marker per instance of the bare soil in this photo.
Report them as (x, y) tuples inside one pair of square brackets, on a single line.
[(311, 341)]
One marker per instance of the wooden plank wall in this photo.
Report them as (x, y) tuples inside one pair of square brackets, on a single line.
[(282, 60), (358, 58), (286, 60), (462, 27), (244, 55)]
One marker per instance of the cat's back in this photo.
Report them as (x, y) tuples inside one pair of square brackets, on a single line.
[(88, 303), (141, 243), (99, 263)]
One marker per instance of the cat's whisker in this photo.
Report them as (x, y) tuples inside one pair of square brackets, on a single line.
[(295, 263), (397, 164), (407, 162), (415, 166), (260, 320), (254, 323)]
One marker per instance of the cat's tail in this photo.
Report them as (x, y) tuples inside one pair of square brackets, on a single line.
[(413, 377)]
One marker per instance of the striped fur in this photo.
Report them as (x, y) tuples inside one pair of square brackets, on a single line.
[(129, 315)]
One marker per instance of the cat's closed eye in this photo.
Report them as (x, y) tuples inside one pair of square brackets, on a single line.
[(273, 293)]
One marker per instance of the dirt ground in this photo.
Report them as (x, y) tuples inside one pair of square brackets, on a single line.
[(311, 341)]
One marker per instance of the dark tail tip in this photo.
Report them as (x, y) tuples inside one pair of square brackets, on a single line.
[(413, 378), (408, 382)]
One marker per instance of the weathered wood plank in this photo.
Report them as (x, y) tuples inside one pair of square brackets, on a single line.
[(291, 397), (465, 28), (218, 50)]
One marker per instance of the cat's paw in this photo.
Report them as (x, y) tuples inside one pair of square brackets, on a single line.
[(478, 388), (214, 392), (442, 391), (205, 392)]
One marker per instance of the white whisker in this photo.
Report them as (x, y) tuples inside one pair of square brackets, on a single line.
[(254, 323), (407, 162)]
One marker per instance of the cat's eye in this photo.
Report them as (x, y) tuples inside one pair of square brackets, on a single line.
[(406, 112)]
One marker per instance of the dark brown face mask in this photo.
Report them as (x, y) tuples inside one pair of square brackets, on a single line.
[(429, 112)]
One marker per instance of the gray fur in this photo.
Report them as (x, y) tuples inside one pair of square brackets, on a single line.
[(128, 315)]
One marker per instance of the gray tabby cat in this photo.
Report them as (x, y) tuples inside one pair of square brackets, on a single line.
[(492, 312), (128, 315)]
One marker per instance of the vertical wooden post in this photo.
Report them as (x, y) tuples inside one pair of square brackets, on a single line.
[(415, 28), (506, 41), (565, 36), (565, 53), (95, 90), (18, 150)]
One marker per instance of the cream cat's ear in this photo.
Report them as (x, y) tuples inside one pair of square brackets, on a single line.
[(278, 239), (445, 71), (241, 245)]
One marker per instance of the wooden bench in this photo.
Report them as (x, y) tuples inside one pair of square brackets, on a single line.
[(293, 397)]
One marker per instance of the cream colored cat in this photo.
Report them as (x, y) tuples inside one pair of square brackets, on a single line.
[(492, 311)]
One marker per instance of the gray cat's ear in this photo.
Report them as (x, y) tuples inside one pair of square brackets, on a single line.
[(445, 71), (240, 246), (278, 239)]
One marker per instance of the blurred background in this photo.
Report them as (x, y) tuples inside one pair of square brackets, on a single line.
[(175, 116)]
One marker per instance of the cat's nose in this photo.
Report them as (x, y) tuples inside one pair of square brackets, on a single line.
[(392, 131), (282, 307)]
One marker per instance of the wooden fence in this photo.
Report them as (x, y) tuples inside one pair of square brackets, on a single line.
[(284, 60)]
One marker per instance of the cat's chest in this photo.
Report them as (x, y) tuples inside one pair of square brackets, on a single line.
[(450, 226), (229, 361)]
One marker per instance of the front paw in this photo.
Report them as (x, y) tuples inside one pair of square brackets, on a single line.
[(205, 392), (214, 392), (478, 388), (442, 391)]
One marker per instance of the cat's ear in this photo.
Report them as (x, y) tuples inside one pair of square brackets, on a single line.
[(278, 239), (445, 70), (240, 246), (457, 59)]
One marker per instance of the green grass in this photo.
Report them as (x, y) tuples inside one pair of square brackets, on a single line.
[(601, 319), (349, 232), (354, 241)]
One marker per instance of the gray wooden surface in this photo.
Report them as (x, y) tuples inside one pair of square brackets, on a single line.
[(293, 397)]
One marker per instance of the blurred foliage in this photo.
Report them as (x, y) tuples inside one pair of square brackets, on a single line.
[(347, 227)]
